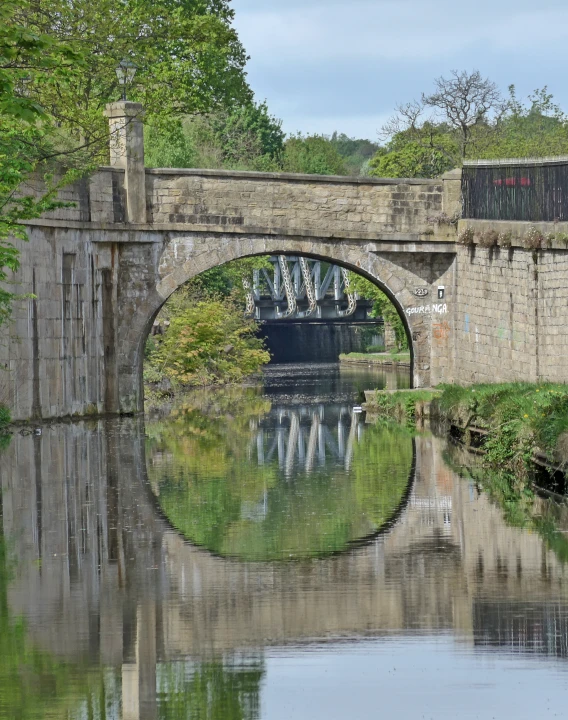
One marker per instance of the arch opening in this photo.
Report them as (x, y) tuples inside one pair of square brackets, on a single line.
[(177, 269)]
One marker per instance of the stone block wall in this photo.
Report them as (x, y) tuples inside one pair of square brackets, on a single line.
[(283, 203), (54, 354), (510, 315), (98, 198)]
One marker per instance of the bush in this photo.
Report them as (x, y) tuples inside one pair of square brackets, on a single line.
[(505, 239), (534, 239), (208, 342), (375, 348)]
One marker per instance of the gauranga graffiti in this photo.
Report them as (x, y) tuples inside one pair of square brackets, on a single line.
[(434, 309)]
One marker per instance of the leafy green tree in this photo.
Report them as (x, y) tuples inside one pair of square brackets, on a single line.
[(207, 342), (411, 160), (501, 127), (245, 137), (356, 153), (535, 128), (465, 104), (312, 155), (28, 140), (248, 132), (188, 56), (382, 306)]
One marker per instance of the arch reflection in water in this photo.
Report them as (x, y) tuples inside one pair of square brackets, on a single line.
[(275, 483), (109, 614)]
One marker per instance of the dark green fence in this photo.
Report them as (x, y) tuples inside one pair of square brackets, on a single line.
[(534, 190)]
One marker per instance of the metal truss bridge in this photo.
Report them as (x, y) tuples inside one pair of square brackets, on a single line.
[(297, 288)]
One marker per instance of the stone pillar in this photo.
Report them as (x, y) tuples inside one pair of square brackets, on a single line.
[(452, 197), (127, 151)]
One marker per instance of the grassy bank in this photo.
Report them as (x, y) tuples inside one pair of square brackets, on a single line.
[(376, 358), (404, 406), (513, 422), (518, 421)]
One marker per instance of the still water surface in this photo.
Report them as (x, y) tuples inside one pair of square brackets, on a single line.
[(265, 553)]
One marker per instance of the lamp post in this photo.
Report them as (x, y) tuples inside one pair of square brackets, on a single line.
[(125, 73)]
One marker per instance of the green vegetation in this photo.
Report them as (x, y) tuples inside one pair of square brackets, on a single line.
[(28, 137), (188, 57), (516, 498), (356, 153), (210, 485), (404, 406), (208, 340), (466, 117), (225, 689), (382, 307), (312, 155), (5, 417), (521, 419), (376, 358)]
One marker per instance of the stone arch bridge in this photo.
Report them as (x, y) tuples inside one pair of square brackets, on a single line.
[(101, 268)]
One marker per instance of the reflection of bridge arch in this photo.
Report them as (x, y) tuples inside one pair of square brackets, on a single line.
[(296, 441), (86, 537)]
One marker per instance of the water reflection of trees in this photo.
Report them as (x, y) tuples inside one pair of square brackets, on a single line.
[(226, 689), (263, 483)]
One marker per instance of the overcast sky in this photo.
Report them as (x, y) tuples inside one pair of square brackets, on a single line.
[(326, 65)]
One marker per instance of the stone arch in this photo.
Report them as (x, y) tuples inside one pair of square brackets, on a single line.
[(187, 255)]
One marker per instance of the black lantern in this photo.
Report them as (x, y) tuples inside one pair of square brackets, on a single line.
[(125, 73)]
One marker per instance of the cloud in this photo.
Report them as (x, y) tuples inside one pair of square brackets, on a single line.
[(328, 59), (395, 29)]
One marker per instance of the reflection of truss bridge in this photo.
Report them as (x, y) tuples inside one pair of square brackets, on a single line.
[(296, 287), (308, 437)]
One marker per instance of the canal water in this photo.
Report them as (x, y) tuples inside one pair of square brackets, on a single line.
[(267, 553)]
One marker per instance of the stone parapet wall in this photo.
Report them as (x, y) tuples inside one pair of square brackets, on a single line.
[(283, 203), (98, 198)]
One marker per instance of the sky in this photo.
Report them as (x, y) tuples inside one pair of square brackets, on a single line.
[(325, 65)]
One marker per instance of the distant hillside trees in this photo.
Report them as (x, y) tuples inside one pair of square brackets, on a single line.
[(466, 117)]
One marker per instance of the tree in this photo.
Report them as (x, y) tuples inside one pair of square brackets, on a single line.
[(312, 155), (27, 136), (419, 147), (355, 152), (208, 341), (465, 103), (188, 56), (403, 158), (382, 306), (57, 72), (535, 128), (245, 137)]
